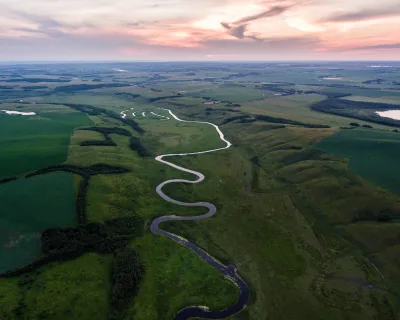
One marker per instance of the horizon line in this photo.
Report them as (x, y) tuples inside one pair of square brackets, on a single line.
[(189, 61)]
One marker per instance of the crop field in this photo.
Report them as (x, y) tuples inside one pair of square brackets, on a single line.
[(28, 207), (34, 142), (307, 204), (372, 154)]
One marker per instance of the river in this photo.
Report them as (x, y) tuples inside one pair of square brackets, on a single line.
[(230, 271)]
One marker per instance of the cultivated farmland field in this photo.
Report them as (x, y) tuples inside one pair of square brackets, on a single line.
[(372, 154), (28, 207), (34, 142)]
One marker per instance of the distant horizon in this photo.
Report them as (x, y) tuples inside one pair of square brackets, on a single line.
[(192, 61)]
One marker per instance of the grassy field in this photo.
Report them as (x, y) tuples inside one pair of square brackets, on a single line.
[(372, 154), (277, 203), (28, 207), (133, 194), (52, 292), (310, 237), (231, 92), (30, 143)]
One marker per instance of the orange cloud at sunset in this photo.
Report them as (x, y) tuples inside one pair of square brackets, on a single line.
[(255, 29)]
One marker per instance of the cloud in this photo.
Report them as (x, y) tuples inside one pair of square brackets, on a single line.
[(366, 14), (238, 28), (226, 25), (238, 32), (379, 46), (42, 25), (270, 12)]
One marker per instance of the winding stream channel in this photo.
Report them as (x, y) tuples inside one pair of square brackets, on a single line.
[(230, 271)]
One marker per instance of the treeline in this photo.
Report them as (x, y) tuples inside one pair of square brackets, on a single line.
[(8, 179), (351, 109), (35, 80), (276, 88), (287, 121), (375, 81), (136, 145), (98, 143), (127, 95), (333, 85), (222, 109), (106, 133), (286, 92), (231, 119), (127, 273), (84, 87), (330, 95), (95, 111), (100, 168), (60, 244), (259, 117), (34, 87), (163, 98)]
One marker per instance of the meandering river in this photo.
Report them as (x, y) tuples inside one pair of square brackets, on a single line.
[(229, 271)]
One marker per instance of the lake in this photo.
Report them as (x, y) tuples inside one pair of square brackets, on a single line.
[(392, 114)]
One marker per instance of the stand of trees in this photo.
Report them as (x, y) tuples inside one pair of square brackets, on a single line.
[(60, 244), (34, 87), (163, 98), (100, 168), (101, 143), (98, 237), (35, 80), (136, 145), (259, 117), (84, 238), (127, 272), (84, 87), (127, 95)]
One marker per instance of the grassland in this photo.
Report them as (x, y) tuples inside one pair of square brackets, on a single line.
[(160, 294), (311, 238), (300, 247), (52, 292), (28, 207)]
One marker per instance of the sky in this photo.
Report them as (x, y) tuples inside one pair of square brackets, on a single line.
[(196, 30)]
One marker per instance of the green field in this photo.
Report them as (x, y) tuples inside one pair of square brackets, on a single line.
[(28, 207), (30, 143), (305, 213), (52, 291), (372, 154)]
